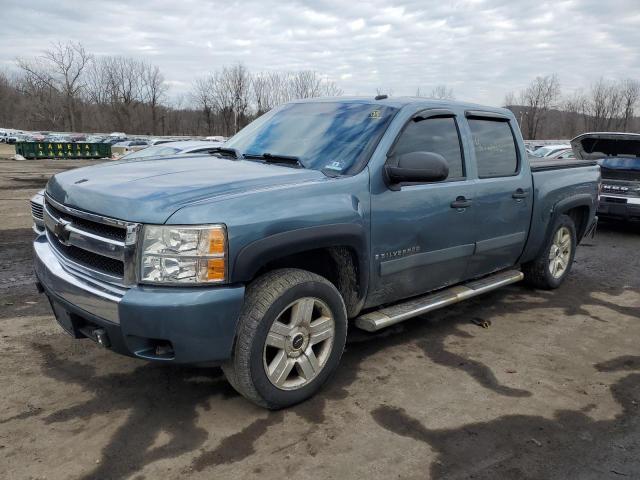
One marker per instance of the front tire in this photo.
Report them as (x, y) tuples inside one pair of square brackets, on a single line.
[(291, 335), (550, 268)]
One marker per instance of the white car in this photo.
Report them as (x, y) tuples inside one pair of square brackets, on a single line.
[(549, 150), (172, 148), (566, 154), (160, 141)]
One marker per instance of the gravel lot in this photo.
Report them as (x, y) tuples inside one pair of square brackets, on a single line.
[(550, 390)]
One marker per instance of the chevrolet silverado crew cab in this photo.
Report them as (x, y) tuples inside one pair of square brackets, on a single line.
[(618, 155), (318, 215)]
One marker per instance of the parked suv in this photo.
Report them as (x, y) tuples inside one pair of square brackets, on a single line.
[(319, 215)]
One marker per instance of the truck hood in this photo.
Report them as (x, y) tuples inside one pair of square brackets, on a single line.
[(150, 191), (598, 145)]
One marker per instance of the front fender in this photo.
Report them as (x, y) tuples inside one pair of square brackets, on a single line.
[(251, 258)]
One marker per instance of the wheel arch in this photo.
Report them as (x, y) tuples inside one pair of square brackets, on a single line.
[(575, 206), (580, 208), (337, 252)]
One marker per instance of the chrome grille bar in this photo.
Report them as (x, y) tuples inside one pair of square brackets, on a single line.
[(36, 210), (72, 232), (86, 240)]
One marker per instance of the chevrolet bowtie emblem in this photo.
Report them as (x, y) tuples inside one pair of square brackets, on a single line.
[(61, 231)]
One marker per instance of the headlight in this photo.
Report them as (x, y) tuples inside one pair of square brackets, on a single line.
[(183, 254)]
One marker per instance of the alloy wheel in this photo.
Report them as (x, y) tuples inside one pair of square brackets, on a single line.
[(560, 252), (299, 343)]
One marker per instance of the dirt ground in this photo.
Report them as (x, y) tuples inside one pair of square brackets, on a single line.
[(551, 390), (6, 151)]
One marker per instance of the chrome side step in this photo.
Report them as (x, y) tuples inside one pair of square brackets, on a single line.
[(388, 316)]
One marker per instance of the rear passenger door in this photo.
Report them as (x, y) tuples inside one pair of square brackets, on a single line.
[(503, 202)]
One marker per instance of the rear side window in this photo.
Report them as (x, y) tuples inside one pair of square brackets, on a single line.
[(495, 147), (437, 135)]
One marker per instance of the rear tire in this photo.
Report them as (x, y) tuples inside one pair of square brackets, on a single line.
[(552, 265), (290, 338)]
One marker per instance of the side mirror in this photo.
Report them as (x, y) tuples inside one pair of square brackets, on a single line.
[(418, 167)]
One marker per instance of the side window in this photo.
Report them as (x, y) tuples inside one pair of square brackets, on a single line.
[(495, 147), (438, 135)]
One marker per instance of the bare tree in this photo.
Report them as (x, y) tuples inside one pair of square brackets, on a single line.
[(603, 108), (537, 99), (44, 107), (331, 89), (630, 92), (61, 69), (306, 84), (573, 106), (442, 92), (126, 89), (269, 89), (154, 89), (388, 91), (510, 100), (12, 104), (238, 80), (202, 95), (230, 93), (262, 93), (310, 84)]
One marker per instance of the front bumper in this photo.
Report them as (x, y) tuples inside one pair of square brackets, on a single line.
[(175, 324), (626, 208)]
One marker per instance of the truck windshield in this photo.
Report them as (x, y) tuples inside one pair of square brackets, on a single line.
[(334, 137)]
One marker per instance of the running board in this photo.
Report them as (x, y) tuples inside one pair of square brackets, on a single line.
[(391, 315)]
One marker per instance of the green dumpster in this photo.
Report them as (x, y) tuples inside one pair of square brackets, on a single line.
[(63, 150)]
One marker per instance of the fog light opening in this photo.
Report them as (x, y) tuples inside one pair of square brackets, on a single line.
[(164, 349)]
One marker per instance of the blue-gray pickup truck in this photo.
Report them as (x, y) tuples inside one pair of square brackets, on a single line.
[(318, 215)]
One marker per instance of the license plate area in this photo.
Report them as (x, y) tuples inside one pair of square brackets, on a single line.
[(68, 323)]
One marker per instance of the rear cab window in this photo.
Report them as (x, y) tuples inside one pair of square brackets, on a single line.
[(495, 147)]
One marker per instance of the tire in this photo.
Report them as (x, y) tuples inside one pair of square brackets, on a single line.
[(276, 330), (539, 273)]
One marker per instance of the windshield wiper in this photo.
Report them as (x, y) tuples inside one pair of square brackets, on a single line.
[(234, 152), (275, 158)]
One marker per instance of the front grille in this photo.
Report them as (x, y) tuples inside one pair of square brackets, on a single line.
[(88, 259), (100, 229), (90, 246), (37, 210), (627, 175)]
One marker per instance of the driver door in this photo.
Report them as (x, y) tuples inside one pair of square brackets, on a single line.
[(422, 233)]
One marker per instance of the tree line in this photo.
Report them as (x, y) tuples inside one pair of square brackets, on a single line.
[(69, 89), (544, 112)]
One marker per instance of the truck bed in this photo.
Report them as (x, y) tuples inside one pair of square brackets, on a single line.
[(542, 164)]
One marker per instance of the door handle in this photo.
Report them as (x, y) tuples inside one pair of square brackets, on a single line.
[(461, 202), (520, 193)]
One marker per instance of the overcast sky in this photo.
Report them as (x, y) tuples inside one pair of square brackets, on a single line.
[(480, 48)]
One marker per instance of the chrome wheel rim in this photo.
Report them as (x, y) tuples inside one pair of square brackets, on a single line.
[(560, 252), (299, 343)]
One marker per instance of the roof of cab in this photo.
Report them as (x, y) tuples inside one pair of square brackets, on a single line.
[(400, 102)]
